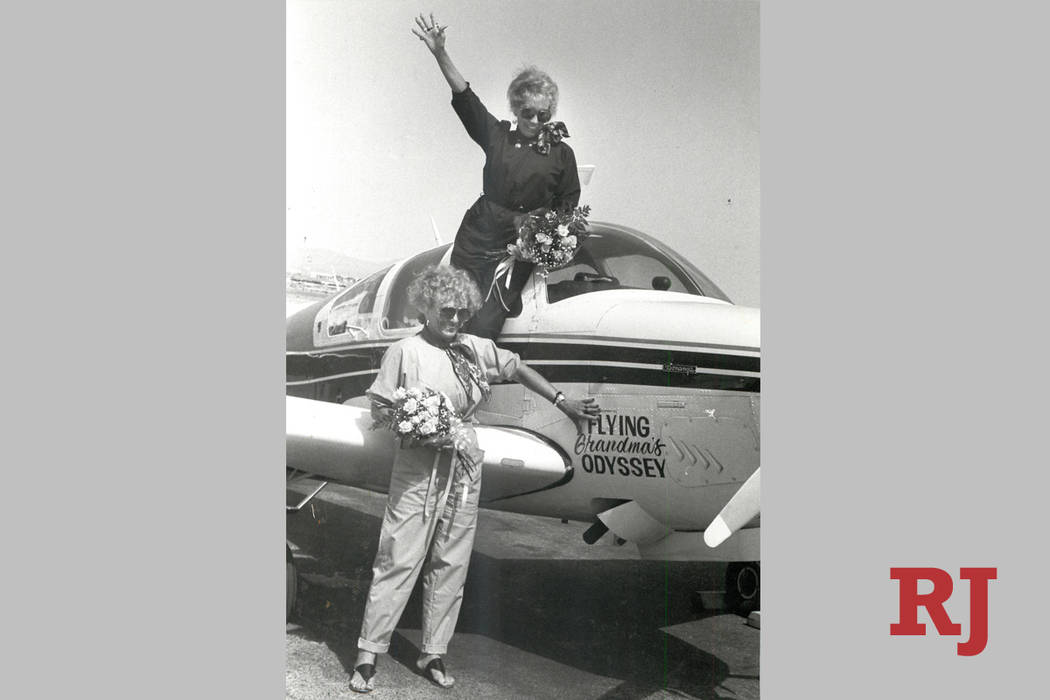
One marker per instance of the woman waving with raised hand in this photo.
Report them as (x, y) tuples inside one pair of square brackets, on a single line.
[(527, 167)]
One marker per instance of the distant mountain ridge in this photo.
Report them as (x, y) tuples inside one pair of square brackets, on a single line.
[(323, 261)]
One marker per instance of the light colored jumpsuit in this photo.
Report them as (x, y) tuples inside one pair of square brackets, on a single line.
[(429, 523)]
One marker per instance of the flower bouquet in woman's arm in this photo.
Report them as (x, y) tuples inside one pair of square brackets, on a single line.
[(427, 416), (421, 414), (551, 237)]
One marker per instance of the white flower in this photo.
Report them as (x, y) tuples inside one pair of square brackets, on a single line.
[(428, 428), (404, 427), (563, 230), (571, 241), (410, 406), (399, 393), (417, 419), (542, 238), (432, 401)]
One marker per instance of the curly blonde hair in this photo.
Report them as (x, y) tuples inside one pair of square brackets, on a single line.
[(532, 82), (442, 285)]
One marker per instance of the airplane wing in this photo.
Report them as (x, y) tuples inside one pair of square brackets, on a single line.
[(336, 442), (742, 508)]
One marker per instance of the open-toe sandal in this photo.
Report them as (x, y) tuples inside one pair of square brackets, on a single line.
[(366, 671), (430, 668)]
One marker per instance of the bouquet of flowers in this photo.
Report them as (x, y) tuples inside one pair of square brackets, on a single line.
[(428, 415), (422, 414), (551, 238)]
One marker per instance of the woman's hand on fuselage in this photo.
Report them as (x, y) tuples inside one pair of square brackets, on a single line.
[(580, 410), (433, 35), (586, 409)]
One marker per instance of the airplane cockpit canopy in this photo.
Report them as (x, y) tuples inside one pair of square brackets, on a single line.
[(616, 258), (612, 257)]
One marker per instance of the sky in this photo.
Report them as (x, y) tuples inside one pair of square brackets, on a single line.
[(661, 96)]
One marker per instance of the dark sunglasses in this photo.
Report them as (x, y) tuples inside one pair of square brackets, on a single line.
[(544, 115), (448, 313)]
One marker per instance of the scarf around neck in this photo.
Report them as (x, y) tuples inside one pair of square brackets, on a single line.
[(464, 363), (550, 133)]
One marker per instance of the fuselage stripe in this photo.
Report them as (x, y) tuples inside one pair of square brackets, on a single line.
[(638, 365), (644, 375), (622, 342), (540, 340)]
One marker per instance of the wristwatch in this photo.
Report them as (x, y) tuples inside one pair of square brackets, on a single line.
[(559, 399)]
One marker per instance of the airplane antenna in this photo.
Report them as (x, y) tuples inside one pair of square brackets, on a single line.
[(437, 233)]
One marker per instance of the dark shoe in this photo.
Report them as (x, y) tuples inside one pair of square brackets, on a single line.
[(366, 671)]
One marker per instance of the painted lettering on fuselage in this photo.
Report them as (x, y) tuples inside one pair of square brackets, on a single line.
[(621, 445)]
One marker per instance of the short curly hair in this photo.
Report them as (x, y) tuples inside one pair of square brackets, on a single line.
[(443, 285), (532, 82)]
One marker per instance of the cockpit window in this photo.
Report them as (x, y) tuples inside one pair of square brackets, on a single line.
[(608, 260), (349, 306)]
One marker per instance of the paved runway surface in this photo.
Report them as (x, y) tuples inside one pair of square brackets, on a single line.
[(544, 615)]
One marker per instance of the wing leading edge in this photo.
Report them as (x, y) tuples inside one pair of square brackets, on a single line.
[(336, 442)]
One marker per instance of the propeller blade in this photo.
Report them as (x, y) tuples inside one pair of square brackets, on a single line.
[(742, 507)]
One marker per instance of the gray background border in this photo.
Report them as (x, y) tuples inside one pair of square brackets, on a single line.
[(144, 194), (904, 152), (904, 156)]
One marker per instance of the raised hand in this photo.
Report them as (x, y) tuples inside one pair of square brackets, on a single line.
[(433, 35)]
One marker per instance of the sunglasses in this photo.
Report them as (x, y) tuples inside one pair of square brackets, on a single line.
[(543, 115), (449, 313)]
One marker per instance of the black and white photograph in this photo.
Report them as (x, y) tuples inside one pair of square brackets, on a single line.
[(523, 349)]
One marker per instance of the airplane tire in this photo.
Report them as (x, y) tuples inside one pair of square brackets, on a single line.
[(291, 583), (743, 586)]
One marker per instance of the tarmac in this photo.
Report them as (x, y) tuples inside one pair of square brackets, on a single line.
[(544, 615)]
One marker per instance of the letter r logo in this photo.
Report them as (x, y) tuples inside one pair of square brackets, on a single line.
[(910, 600)]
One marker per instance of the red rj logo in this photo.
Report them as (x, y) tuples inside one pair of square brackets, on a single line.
[(910, 600)]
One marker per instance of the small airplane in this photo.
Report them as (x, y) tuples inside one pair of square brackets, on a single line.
[(671, 464)]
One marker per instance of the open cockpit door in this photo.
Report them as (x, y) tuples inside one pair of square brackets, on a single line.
[(399, 319)]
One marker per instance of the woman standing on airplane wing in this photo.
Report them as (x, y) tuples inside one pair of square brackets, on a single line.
[(526, 168), (432, 510)]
